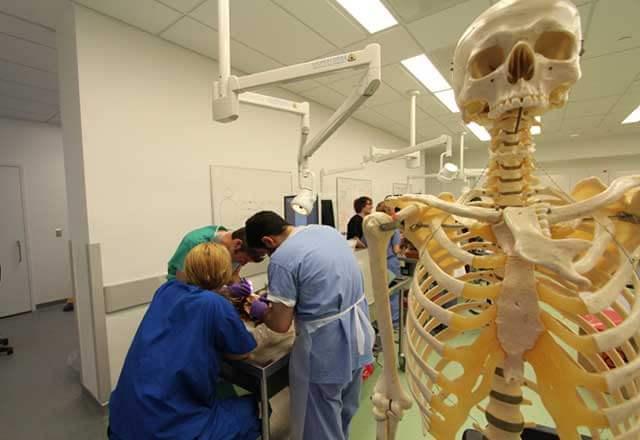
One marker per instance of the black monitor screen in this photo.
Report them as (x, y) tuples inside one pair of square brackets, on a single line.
[(295, 219)]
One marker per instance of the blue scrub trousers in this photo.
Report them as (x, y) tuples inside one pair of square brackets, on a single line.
[(330, 408), (234, 419)]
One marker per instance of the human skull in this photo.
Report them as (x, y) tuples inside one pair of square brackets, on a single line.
[(518, 53)]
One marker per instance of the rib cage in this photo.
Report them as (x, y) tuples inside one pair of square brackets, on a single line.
[(431, 346)]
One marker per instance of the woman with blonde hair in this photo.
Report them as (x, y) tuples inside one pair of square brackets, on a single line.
[(167, 387)]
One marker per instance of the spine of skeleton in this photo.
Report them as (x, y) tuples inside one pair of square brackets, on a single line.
[(510, 183), (503, 412), (511, 161)]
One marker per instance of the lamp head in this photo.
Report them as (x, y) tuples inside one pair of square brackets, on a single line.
[(448, 172), (303, 202)]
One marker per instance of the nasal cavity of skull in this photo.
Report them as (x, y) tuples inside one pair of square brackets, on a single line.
[(486, 61), (521, 63), (556, 45)]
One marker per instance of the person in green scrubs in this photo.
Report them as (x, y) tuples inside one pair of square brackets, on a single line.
[(241, 254), (235, 242)]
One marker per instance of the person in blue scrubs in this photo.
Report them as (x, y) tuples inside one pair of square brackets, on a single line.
[(314, 277), (393, 265), (167, 387)]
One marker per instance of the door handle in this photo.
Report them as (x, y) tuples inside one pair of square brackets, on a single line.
[(19, 251)]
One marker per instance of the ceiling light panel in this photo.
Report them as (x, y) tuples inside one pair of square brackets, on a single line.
[(371, 14)]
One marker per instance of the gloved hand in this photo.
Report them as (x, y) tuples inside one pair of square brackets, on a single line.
[(258, 310), (242, 289)]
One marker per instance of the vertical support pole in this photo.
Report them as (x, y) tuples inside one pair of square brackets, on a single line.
[(224, 43), (413, 122), (462, 174)]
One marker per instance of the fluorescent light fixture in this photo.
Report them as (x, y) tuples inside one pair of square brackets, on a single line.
[(633, 117), (479, 131), (421, 67), (536, 130), (371, 14), (448, 99)]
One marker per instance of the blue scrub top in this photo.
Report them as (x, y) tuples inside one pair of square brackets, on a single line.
[(393, 263), (167, 386), (316, 272)]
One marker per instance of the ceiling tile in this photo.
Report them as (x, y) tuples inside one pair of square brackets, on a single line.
[(629, 101), (396, 45), (607, 75), (30, 93), (55, 120), (267, 28), (325, 96), (28, 54), (148, 15), (430, 104), (25, 116), (590, 122), (399, 112), (612, 28), (37, 110), (301, 86), (370, 117), (383, 95), (196, 36), (326, 19), (184, 6), (400, 80), (445, 28), (341, 75), (443, 60), (38, 11), (411, 10), (429, 127), (556, 115), (453, 123), (592, 107), (28, 76), (27, 31)]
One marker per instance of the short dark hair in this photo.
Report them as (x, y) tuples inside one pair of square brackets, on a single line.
[(361, 202), (262, 224), (241, 234)]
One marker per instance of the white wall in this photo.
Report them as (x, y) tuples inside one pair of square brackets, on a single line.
[(566, 163), (37, 148), (148, 140)]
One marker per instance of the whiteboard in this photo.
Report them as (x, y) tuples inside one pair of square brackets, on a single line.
[(399, 188), (238, 193), (347, 191)]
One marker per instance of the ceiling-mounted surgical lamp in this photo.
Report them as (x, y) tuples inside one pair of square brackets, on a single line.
[(303, 202), (448, 172)]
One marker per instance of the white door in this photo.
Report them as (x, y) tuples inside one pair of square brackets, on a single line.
[(14, 283)]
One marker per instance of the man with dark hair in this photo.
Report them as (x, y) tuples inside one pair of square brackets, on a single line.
[(235, 242), (363, 207), (314, 277)]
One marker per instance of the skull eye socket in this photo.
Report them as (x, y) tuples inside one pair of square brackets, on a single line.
[(486, 61), (555, 45)]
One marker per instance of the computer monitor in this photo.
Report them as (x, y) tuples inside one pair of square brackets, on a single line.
[(295, 219), (328, 216)]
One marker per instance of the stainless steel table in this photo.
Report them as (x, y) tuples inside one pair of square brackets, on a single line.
[(265, 380)]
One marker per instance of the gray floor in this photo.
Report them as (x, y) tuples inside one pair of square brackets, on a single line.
[(40, 394)]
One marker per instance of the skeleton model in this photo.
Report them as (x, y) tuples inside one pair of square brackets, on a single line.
[(549, 261)]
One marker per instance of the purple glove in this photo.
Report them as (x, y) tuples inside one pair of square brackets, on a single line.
[(258, 310), (242, 289), (264, 298)]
